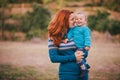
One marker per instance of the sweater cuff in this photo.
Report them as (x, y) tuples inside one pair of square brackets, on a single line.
[(87, 45)]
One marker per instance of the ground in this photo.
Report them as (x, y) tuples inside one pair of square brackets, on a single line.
[(103, 57)]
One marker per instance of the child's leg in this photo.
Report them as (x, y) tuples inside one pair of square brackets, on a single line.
[(84, 70), (85, 56), (82, 64), (85, 53)]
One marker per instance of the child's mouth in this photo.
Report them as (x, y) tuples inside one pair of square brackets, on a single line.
[(79, 22)]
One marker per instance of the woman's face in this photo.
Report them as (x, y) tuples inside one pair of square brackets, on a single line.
[(71, 20)]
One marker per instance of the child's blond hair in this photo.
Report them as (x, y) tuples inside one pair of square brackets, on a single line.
[(81, 13)]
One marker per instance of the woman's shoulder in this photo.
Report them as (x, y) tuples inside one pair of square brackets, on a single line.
[(63, 46), (50, 40), (51, 44)]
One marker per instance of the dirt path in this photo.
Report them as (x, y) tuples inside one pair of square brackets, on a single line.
[(36, 54), (23, 54)]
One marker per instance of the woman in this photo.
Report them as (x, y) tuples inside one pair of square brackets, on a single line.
[(60, 52)]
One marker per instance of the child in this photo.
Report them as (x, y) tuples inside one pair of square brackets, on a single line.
[(80, 33)]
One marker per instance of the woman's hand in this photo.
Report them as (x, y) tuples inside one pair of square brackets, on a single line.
[(79, 55), (65, 41)]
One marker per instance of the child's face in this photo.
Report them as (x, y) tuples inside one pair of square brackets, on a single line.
[(71, 20), (80, 19)]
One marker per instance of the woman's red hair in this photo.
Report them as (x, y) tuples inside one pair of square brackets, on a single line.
[(58, 26)]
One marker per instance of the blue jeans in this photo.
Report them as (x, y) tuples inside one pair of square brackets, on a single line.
[(83, 61)]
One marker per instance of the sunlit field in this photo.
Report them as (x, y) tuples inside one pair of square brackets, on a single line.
[(30, 61)]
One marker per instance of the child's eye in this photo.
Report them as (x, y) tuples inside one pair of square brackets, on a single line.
[(79, 19), (76, 19)]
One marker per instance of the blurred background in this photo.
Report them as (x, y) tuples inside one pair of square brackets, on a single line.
[(23, 38)]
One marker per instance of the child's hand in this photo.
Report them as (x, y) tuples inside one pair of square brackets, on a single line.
[(79, 52), (87, 48), (65, 41)]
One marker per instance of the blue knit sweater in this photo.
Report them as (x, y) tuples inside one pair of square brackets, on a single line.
[(81, 36), (64, 54)]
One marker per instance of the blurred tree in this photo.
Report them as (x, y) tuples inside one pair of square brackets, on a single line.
[(114, 28), (3, 16), (48, 1), (60, 3), (25, 1), (99, 22), (111, 4), (35, 21), (98, 2)]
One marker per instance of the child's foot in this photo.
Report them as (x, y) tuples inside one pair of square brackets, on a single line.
[(88, 66), (84, 72)]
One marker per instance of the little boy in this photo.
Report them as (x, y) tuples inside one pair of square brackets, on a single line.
[(80, 33)]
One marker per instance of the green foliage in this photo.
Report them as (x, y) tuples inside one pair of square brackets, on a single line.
[(23, 1), (48, 1), (114, 27), (29, 23), (8, 72), (34, 23), (11, 27), (37, 19), (110, 4), (113, 5), (3, 3), (3, 16), (101, 23), (73, 0)]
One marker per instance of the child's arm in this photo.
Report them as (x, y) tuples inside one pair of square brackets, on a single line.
[(87, 34), (68, 36)]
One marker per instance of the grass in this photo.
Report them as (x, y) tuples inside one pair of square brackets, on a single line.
[(8, 72), (12, 73)]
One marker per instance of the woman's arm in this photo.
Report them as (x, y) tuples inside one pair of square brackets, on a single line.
[(56, 58), (87, 34), (54, 55)]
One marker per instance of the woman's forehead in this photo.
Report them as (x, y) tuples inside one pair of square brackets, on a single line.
[(72, 16)]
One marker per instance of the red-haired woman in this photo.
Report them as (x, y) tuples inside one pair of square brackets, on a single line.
[(60, 52)]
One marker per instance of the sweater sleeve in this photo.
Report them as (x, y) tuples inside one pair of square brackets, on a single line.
[(70, 33), (55, 57), (87, 34)]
